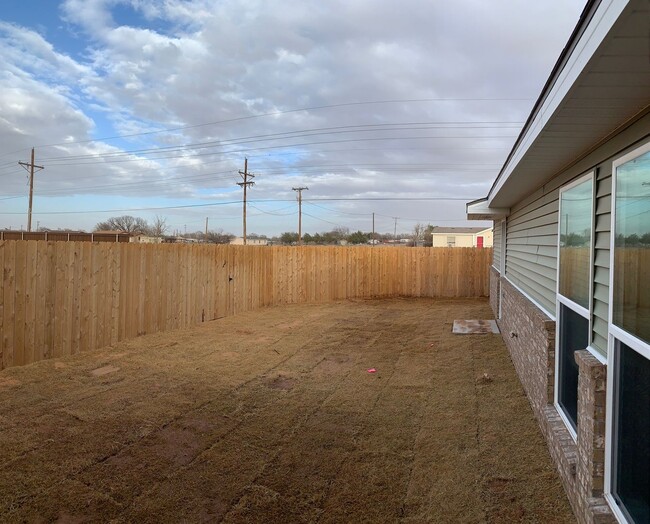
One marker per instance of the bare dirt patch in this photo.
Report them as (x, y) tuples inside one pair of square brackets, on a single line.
[(272, 416)]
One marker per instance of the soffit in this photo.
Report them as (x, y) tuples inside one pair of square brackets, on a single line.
[(611, 88)]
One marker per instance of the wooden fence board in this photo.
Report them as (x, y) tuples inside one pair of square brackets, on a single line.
[(19, 318), (32, 325), (60, 298), (9, 296), (2, 301), (42, 277)]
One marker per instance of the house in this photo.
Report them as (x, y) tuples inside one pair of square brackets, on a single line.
[(178, 240), (461, 237), (250, 241), (146, 239), (570, 280)]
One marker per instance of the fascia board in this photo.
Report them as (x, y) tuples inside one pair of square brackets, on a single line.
[(480, 210), (602, 22)]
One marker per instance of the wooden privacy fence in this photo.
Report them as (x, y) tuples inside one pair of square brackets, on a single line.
[(65, 236), (59, 298)]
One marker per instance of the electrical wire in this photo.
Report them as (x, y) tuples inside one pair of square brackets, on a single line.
[(187, 206), (408, 126), (322, 219), (284, 112)]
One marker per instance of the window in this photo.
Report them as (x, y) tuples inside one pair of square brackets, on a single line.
[(576, 206), (628, 482), (451, 241), (632, 456), (573, 336), (632, 248), (573, 291)]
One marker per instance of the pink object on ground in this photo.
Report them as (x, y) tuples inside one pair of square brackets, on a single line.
[(372, 370)]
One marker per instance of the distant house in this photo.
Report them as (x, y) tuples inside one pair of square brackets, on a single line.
[(250, 241), (178, 240), (145, 239), (462, 237), (570, 280), (66, 236)]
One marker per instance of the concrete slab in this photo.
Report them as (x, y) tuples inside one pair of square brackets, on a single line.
[(473, 327)]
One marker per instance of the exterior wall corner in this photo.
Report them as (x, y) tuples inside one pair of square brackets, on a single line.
[(529, 335)]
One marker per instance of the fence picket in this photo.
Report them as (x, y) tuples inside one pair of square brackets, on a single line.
[(59, 298)]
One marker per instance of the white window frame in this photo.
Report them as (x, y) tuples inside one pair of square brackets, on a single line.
[(502, 263), (560, 299), (616, 333), (504, 230)]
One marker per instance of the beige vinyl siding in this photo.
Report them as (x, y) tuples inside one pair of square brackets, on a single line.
[(601, 256), (496, 251), (532, 231), (531, 247)]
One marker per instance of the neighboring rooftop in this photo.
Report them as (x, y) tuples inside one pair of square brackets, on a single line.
[(459, 230)]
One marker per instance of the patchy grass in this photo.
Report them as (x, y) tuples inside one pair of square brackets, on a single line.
[(271, 416)]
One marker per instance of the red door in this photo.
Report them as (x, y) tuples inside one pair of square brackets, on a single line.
[(479, 241)]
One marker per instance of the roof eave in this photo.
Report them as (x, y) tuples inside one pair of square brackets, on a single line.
[(481, 210), (515, 178)]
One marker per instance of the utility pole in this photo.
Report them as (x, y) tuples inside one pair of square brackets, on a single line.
[(300, 190), (31, 167), (395, 230), (206, 229), (373, 229), (245, 176)]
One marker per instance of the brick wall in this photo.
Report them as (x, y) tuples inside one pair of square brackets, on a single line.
[(590, 471), (529, 335)]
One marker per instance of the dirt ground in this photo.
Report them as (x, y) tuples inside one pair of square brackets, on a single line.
[(272, 416)]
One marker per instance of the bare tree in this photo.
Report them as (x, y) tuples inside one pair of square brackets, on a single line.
[(340, 232), (159, 227), (428, 236), (218, 237), (125, 224), (418, 234)]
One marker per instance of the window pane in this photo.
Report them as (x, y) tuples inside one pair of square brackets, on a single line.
[(632, 248), (574, 336), (575, 242), (632, 453)]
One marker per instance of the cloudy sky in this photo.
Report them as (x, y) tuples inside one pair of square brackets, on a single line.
[(148, 107)]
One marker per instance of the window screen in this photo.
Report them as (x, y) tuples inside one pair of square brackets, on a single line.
[(631, 304), (576, 206)]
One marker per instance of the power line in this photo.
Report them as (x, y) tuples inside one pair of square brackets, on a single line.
[(174, 181), (298, 144), (188, 206), (287, 111), (311, 151), (274, 213), (356, 128), (323, 220), (337, 210)]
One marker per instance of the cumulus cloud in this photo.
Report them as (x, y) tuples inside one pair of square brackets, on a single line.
[(149, 65)]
